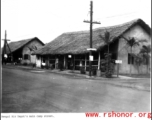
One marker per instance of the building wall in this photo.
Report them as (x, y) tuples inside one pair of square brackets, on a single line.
[(123, 50), (26, 50)]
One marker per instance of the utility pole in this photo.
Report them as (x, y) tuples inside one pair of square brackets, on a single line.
[(4, 48), (91, 22)]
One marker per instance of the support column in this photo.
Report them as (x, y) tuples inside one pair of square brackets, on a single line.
[(85, 62), (73, 62), (64, 62), (55, 63), (99, 60), (48, 62), (98, 71), (41, 61)]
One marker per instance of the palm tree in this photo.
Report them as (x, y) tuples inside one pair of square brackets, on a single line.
[(107, 38), (138, 60), (132, 42), (32, 49), (145, 51)]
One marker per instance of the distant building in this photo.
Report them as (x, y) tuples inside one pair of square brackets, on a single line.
[(71, 48), (22, 50)]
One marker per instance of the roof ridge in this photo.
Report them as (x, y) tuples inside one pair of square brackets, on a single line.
[(112, 26), (74, 32), (23, 40), (77, 42), (120, 25)]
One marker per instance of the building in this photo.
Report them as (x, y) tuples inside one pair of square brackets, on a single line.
[(21, 51), (70, 49)]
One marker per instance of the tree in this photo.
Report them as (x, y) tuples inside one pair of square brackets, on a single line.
[(32, 49), (145, 51), (138, 60), (108, 62), (106, 38), (132, 42)]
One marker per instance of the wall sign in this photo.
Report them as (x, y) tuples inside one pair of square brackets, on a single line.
[(69, 56), (118, 61), (5, 55), (91, 58)]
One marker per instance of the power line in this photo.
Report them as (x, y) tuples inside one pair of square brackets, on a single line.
[(121, 15), (114, 16)]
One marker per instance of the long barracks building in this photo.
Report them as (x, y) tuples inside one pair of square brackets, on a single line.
[(71, 48)]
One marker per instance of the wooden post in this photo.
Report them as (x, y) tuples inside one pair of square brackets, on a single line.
[(4, 48), (64, 62), (41, 61), (55, 62), (91, 16), (48, 62), (99, 61), (85, 62), (91, 35), (73, 62), (117, 69)]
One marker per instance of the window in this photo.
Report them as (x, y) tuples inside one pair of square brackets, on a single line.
[(130, 59), (26, 56)]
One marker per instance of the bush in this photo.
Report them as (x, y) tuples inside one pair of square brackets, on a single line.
[(94, 71), (102, 66), (25, 64), (61, 65), (51, 66), (107, 66), (82, 70), (47, 67)]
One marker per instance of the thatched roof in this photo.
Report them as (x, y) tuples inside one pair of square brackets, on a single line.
[(20, 44), (78, 42)]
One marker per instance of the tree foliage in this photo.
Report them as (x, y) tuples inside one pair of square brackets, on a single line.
[(106, 38), (145, 49), (132, 42), (107, 65)]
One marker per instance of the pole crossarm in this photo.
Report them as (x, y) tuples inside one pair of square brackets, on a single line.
[(6, 44), (94, 22), (6, 39)]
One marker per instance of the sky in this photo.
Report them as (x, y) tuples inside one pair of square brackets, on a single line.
[(47, 19)]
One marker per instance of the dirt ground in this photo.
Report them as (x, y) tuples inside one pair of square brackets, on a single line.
[(28, 90)]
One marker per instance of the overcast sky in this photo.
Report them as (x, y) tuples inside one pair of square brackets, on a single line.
[(47, 19)]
